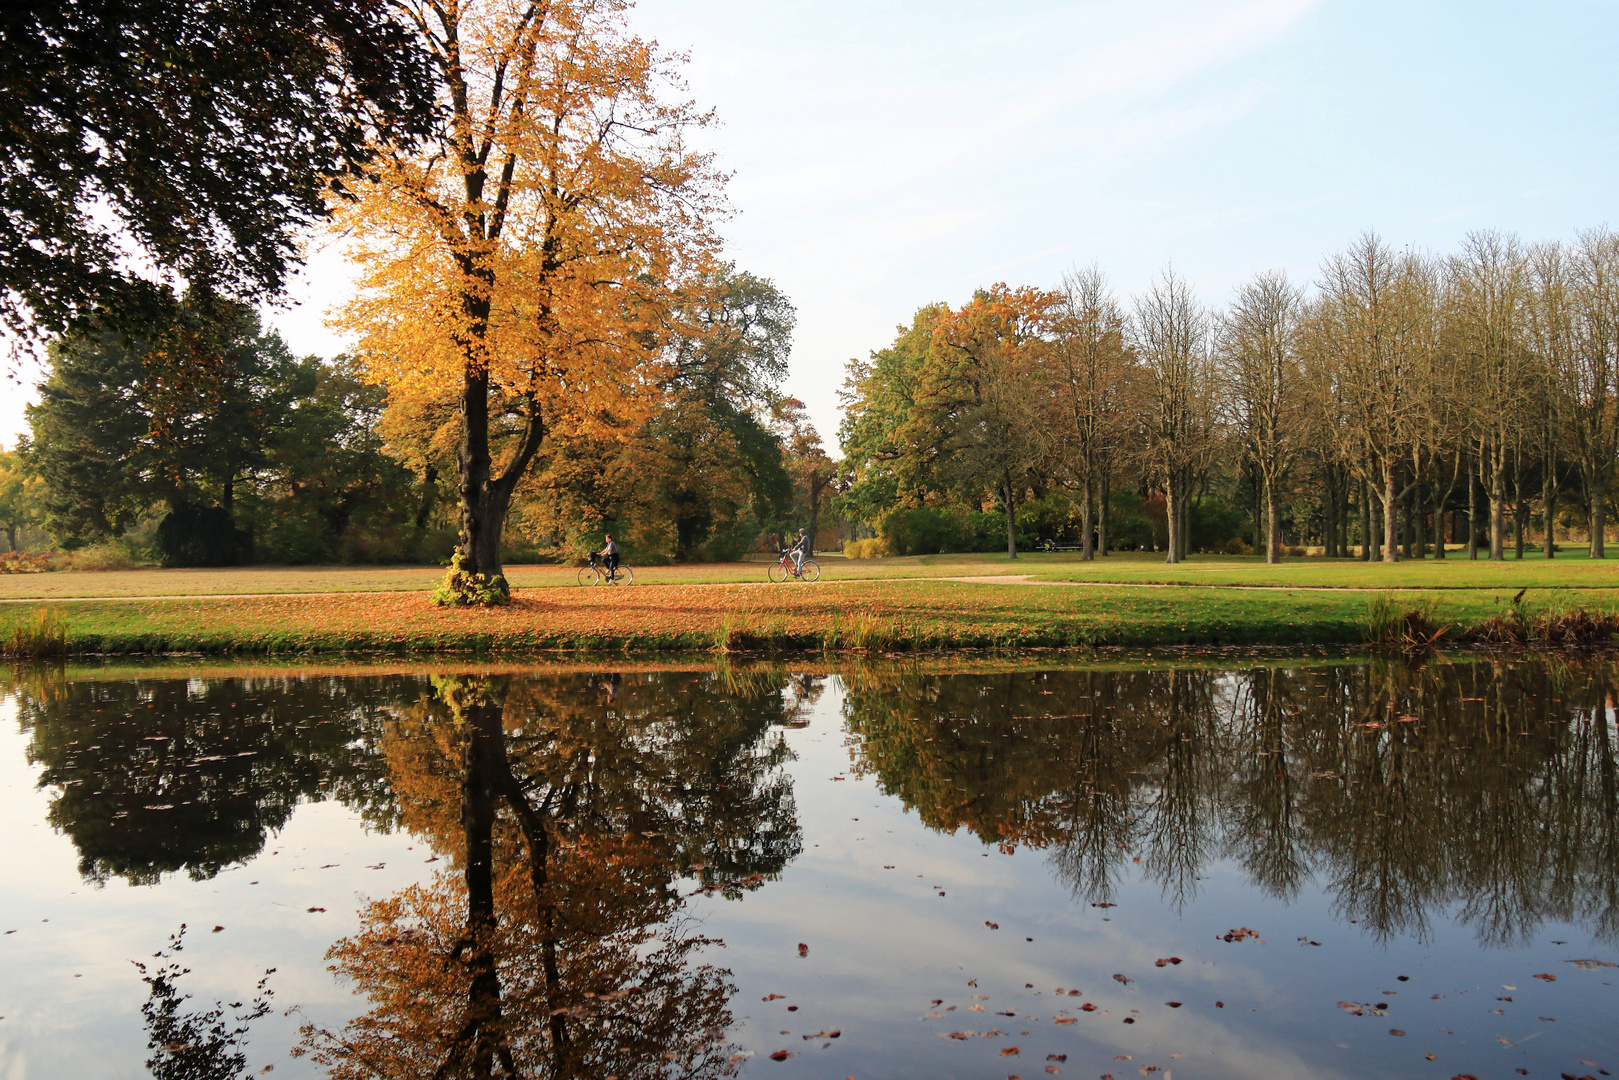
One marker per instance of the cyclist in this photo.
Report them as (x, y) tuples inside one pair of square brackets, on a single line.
[(800, 551), (609, 556)]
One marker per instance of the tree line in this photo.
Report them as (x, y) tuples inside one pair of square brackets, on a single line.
[(1401, 402), (275, 458)]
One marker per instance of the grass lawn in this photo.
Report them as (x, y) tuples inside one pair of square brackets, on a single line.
[(1570, 570), (876, 604), (870, 615)]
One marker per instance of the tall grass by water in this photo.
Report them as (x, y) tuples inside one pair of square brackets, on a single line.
[(41, 633)]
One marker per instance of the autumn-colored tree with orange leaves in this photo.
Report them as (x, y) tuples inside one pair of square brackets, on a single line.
[(523, 264), (987, 388)]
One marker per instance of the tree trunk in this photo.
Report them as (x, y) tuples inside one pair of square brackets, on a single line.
[(1498, 526), (1365, 522), (1172, 521), (1599, 506), (480, 535), (1011, 522), (1273, 524), (1391, 516), (1104, 489), (424, 509), (1548, 499), (1087, 515), (1472, 513)]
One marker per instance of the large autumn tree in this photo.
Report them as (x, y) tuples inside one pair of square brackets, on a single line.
[(527, 262)]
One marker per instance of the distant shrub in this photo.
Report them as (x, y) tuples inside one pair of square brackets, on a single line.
[(1236, 546), (875, 548), (108, 556), (25, 562), (1295, 550)]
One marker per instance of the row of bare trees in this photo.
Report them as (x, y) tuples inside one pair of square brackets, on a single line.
[(1397, 387)]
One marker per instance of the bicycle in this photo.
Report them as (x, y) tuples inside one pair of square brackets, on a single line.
[(809, 570), (595, 573)]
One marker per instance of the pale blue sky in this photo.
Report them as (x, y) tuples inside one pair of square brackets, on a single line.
[(891, 154)]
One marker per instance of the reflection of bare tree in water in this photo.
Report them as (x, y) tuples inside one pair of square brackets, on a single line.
[(1484, 787), (1264, 812), (559, 950)]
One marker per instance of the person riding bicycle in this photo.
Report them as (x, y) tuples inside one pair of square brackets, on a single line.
[(609, 556), (800, 551)]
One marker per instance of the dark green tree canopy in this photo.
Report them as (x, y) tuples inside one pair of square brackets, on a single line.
[(205, 129)]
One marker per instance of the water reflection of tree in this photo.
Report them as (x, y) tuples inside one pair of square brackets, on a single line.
[(159, 775), (559, 949), (1485, 786)]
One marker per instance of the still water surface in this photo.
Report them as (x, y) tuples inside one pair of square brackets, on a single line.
[(1272, 868)]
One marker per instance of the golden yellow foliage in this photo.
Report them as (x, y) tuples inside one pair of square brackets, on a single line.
[(518, 271)]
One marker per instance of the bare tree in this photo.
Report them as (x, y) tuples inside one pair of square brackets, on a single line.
[(1171, 332), (1376, 325), (1595, 369), (1260, 369), (1487, 296), (1089, 360), (1551, 338)]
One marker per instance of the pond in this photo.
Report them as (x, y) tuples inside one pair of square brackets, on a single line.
[(1222, 866)]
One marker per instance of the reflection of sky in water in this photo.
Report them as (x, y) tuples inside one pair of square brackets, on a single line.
[(883, 944)]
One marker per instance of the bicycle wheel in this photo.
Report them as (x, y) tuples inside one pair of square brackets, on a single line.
[(622, 576), (589, 575), (777, 572), (811, 570)]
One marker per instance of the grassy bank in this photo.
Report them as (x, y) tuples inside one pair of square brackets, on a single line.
[(846, 615), (1570, 570)]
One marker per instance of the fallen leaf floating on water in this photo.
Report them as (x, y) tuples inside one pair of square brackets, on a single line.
[(1547, 976), (1052, 1069), (1069, 1019), (1087, 1007), (1104, 905), (992, 925), (772, 997), (803, 949), (1583, 965), (1166, 960), (217, 929), (1238, 934), (936, 1002), (1057, 1057), (1173, 1004), (823, 1035), (1122, 978), (314, 909), (1395, 1031), (1010, 1051), (781, 1055)]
